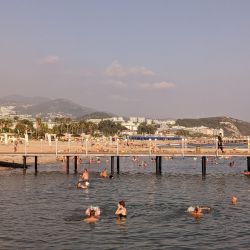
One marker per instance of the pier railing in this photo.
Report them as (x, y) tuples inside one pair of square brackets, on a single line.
[(155, 149), (123, 147)]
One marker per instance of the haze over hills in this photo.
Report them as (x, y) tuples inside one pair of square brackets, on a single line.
[(231, 126), (49, 108), (45, 107), (18, 100)]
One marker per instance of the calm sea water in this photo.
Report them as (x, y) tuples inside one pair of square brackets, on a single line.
[(46, 211)]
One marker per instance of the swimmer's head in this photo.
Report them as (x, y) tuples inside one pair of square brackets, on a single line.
[(92, 212), (122, 203), (234, 200), (111, 176)]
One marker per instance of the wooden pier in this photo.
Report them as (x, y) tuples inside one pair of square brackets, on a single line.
[(156, 157), (68, 150)]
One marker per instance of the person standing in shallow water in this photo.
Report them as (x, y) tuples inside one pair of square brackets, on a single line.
[(85, 175), (220, 143), (104, 173), (121, 211)]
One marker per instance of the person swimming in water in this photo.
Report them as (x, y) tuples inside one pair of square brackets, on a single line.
[(234, 200), (92, 218), (85, 175), (83, 185), (121, 211), (197, 211), (203, 208), (104, 173)]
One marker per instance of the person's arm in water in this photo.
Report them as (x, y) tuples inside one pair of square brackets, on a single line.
[(205, 208), (121, 210)]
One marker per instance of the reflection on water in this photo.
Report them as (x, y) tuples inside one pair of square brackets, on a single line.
[(47, 211)]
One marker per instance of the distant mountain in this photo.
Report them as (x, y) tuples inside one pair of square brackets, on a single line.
[(231, 126), (18, 100), (57, 107), (47, 108)]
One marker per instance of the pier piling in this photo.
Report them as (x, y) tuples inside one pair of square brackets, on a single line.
[(248, 163), (67, 164), (112, 165), (24, 162), (75, 161), (118, 164), (204, 165), (158, 163), (36, 165)]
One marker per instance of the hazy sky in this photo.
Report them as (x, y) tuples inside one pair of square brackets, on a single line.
[(131, 57)]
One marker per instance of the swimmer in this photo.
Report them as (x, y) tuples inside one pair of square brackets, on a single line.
[(104, 173), (85, 175), (92, 217), (90, 161), (83, 185), (197, 213), (234, 200), (121, 210)]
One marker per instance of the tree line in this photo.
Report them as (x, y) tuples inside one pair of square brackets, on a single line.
[(64, 125)]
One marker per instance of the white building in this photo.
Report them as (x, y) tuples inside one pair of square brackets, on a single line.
[(96, 121), (131, 126), (149, 121), (133, 119), (141, 119), (170, 122), (7, 111), (117, 119)]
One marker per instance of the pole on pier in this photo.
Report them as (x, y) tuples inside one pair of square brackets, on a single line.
[(24, 165), (75, 161), (204, 164), (182, 146), (118, 164), (216, 147), (158, 164), (67, 164), (248, 163), (24, 162), (112, 165), (35, 164)]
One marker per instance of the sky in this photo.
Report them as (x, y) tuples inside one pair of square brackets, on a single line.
[(158, 58)]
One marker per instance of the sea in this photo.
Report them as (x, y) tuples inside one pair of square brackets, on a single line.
[(47, 211)]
